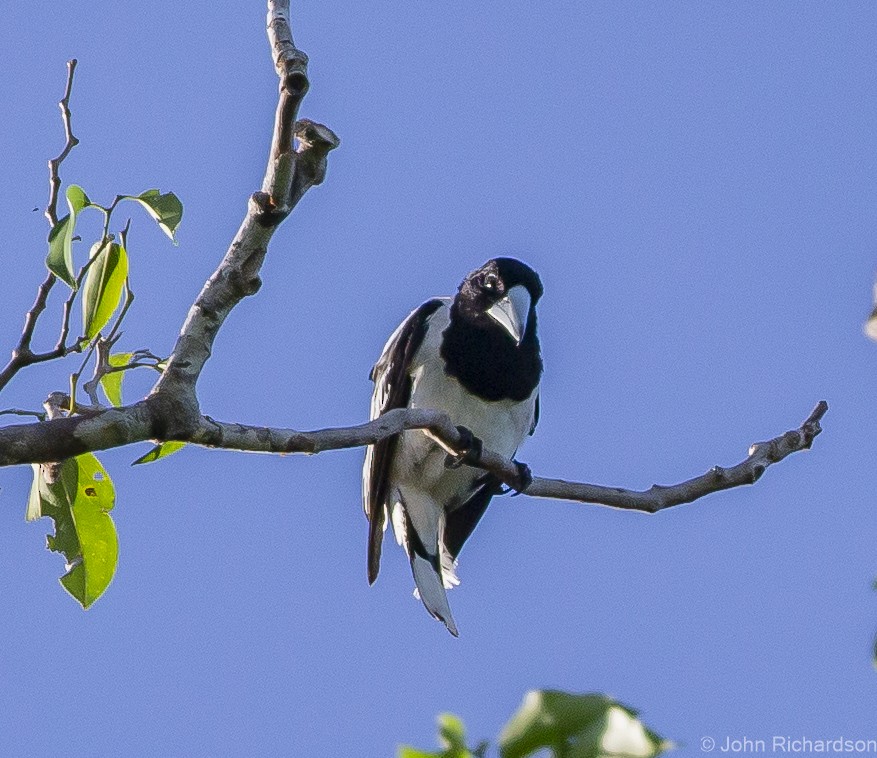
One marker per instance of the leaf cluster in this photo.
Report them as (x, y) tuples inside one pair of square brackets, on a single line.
[(567, 725), (77, 494)]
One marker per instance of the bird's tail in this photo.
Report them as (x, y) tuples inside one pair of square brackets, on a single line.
[(426, 567), (376, 526), (432, 591)]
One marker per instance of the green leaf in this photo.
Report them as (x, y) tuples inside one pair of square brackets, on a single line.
[(452, 738), (165, 208), (103, 285), (452, 733), (77, 495), (162, 450), (619, 734), (60, 258), (112, 383), (406, 751), (577, 726), (76, 198)]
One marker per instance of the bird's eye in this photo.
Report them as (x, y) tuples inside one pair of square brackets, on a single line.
[(491, 281)]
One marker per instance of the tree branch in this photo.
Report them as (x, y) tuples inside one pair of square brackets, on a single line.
[(100, 429), (70, 143), (286, 180), (22, 355), (658, 497), (439, 424), (64, 437), (20, 412)]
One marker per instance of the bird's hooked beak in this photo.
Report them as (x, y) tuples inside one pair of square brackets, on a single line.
[(511, 312)]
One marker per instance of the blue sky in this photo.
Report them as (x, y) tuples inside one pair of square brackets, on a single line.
[(696, 184)]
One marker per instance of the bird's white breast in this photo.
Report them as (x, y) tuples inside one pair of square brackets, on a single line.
[(501, 424)]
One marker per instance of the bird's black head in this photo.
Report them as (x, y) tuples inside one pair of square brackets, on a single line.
[(503, 292), (490, 344)]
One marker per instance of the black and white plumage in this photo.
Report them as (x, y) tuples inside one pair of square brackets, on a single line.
[(477, 357)]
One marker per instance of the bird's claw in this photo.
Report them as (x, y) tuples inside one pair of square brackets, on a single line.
[(525, 478), (470, 452)]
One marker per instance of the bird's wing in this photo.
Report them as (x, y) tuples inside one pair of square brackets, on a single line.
[(535, 415), (461, 522), (392, 378)]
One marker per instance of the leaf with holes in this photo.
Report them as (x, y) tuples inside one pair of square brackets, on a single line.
[(166, 209), (77, 495), (60, 258), (162, 450), (577, 726), (103, 285)]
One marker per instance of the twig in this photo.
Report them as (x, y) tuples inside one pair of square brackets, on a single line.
[(19, 412), (22, 355), (101, 365), (60, 347), (126, 306), (62, 401), (55, 163), (65, 320), (139, 359), (658, 497)]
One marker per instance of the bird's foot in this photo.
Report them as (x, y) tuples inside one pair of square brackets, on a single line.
[(525, 479), (470, 452)]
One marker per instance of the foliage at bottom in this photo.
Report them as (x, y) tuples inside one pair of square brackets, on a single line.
[(565, 724)]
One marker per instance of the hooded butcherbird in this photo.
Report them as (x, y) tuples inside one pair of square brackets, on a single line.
[(477, 358)]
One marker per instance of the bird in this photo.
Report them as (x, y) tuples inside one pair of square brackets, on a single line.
[(477, 357)]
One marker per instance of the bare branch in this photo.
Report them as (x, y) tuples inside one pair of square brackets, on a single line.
[(22, 355), (71, 142), (101, 368), (20, 412), (292, 69), (238, 274), (115, 427), (657, 498), (60, 345), (761, 455)]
